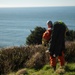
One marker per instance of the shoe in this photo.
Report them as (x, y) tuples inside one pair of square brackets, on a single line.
[(60, 70)]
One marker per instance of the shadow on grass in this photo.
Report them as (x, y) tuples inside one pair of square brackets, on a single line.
[(69, 69)]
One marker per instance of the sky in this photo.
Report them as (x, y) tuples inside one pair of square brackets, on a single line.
[(36, 3)]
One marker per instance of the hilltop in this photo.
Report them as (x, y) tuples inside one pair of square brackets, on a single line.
[(33, 58)]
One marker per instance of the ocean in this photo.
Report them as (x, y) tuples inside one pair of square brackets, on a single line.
[(16, 23)]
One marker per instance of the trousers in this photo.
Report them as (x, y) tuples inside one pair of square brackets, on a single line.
[(61, 59)]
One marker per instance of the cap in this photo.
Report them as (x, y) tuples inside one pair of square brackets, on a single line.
[(49, 22)]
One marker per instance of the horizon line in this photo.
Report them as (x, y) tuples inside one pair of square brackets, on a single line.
[(34, 6)]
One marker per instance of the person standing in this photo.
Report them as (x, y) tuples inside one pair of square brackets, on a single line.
[(57, 44), (47, 34)]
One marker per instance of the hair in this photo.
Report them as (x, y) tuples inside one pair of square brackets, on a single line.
[(50, 23)]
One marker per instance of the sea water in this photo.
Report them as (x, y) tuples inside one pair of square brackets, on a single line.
[(16, 23)]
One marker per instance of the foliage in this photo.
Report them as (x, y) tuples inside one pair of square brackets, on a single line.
[(33, 56), (12, 59), (70, 51), (36, 36), (71, 36), (47, 70)]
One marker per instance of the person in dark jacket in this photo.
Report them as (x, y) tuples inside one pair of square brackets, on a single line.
[(57, 44)]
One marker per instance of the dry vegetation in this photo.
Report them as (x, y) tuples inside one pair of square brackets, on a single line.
[(14, 58)]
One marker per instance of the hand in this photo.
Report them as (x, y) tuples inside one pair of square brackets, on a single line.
[(47, 51)]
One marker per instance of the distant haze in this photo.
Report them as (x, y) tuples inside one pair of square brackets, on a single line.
[(35, 3)]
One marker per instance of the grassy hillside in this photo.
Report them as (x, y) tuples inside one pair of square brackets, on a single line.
[(47, 70), (14, 58)]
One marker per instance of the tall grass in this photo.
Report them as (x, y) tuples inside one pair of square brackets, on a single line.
[(14, 58), (70, 51)]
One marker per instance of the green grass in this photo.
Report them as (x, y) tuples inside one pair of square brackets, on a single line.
[(47, 70), (33, 56)]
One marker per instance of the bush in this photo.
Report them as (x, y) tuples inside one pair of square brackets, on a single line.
[(36, 36), (70, 51), (33, 56), (71, 37), (12, 59)]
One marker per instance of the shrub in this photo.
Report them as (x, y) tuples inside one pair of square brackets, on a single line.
[(12, 59), (36, 36), (33, 56), (71, 37), (70, 51)]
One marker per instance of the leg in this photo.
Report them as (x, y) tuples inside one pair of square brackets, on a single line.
[(53, 62), (62, 62), (61, 59)]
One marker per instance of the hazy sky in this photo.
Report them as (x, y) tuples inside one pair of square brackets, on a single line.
[(36, 3)]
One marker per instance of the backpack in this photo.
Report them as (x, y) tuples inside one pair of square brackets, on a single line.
[(57, 43), (46, 36)]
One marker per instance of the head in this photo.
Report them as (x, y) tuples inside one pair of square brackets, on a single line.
[(49, 24)]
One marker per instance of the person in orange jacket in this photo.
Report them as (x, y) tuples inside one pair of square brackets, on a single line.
[(47, 34)]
